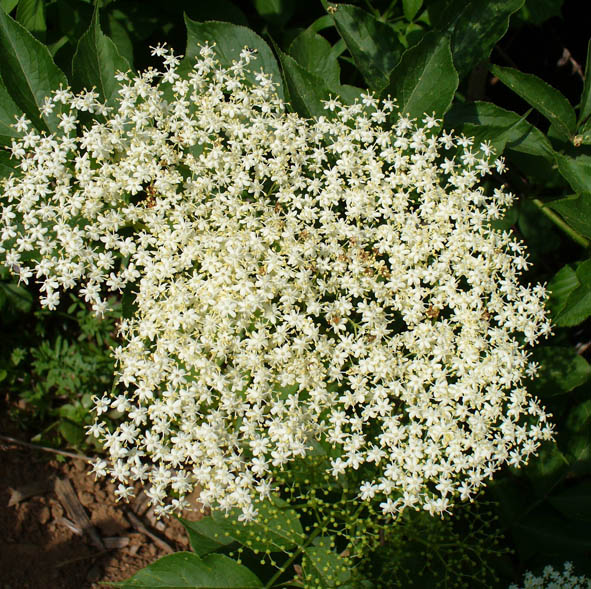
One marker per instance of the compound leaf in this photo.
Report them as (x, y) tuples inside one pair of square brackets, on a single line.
[(373, 45), (28, 71), (187, 570), (425, 80), (230, 40), (96, 61), (543, 97)]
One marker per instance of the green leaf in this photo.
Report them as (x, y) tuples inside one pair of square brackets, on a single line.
[(119, 34), (306, 90), (575, 502), (577, 427), (8, 5), (73, 433), (275, 12), (474, 27), (575, 170), (31, 15), (578, 448), (96, 62), (322, 567), (512, 501), (55, 47), (411, 8), (576, 211), (538, 11), (206, 535), (507, 220), (561, 370), (6, 167), (28, 71), (413, 32), (9, 112), (222, 10), (577, 306), (16, 298), (579, 417), (276, 528), (187, 570), (585, 104), (547, 468), (583, 136), (538, 230), (425, 80), (349, 94), (129, 304), (229, 41), (485, 120), (543, 97), (313, 53), (322, 22), (480, 25), (549, 534), (562, 285), (373, 45)]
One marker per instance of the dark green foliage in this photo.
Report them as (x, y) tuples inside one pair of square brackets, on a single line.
[(96, 62), (315, 53), (474, 27), (314, 534), (425, 81), (53, 364), (549, 101), (373, 44), (185, 569), (229, 40), (427, 54), (464, 550), (28, 71)]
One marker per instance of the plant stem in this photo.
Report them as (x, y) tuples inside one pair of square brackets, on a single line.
[(318, 530), (295, 555), (557, 220), (11, 440)]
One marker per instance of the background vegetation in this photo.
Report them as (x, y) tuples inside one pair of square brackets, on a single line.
[(515, 72)]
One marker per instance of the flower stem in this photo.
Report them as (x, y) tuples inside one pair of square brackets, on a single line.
[(295, 555), (318, 530), (557, 220)]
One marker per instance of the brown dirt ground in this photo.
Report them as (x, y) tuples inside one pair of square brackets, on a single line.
[(38, 551)]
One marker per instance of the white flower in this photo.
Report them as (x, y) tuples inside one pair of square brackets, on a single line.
[(297, 282), (553, 579)]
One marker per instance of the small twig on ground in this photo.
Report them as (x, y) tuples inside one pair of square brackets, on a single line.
[(140, 527), (116, 542), (79, 558), (141, 502), (111, 543), (11, 440), (68, 498), (71, 526)]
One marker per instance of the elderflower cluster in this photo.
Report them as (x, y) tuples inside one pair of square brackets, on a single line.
[(553, 579), (298, 284)]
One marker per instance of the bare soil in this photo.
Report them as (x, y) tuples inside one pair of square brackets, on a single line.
[(41, 547)]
